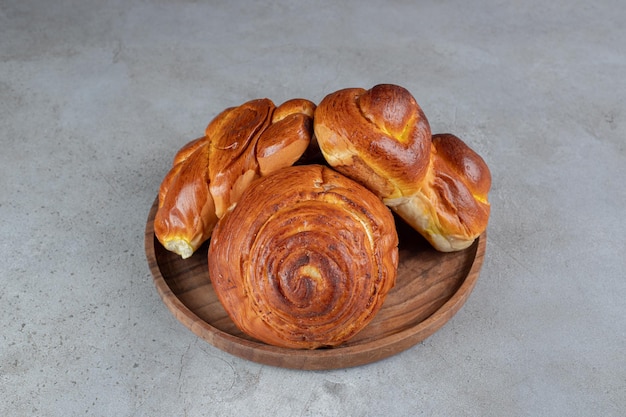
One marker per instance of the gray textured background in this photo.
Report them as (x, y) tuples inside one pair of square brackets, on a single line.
[(96, 96)]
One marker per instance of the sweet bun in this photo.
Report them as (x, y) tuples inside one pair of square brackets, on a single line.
[(186, 216), (209, 174), (382, 139), (451, 209), (305, 259)]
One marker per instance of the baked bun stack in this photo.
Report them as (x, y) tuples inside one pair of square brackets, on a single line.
[(303, 256), (209, 174), (305, 259), (382, 139)]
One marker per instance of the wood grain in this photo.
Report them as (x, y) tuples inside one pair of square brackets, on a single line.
[(431, 287)]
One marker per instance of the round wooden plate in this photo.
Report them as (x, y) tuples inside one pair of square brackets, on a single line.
[(430, 288)]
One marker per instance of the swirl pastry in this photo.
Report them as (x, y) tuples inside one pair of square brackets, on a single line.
[(305, 259), (209, 174), (382, 139)]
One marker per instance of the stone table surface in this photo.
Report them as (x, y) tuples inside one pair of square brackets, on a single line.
[(96, 97)]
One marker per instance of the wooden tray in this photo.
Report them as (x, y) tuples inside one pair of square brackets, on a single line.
[(430, 288)]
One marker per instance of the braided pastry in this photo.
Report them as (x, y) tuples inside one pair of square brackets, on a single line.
[(382, 139), (209, 174), (305, 259)]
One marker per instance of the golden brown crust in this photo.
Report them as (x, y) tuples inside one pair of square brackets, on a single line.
[(186, 214), (232, 164), (460, 185), (294, 106), (381, 138), (451, 209), (288, 137), (464, 163), (305, 259), (210, 173)]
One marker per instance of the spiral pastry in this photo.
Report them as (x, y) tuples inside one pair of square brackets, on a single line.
[(305, 259)]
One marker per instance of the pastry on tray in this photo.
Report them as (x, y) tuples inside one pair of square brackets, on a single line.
[(305, 259), (382, 139), (303, 250), (209, 174)]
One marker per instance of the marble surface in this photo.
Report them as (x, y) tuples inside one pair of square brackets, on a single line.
[(96, 96)]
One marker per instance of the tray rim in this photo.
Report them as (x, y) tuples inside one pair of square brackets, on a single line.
[(319, 359)]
